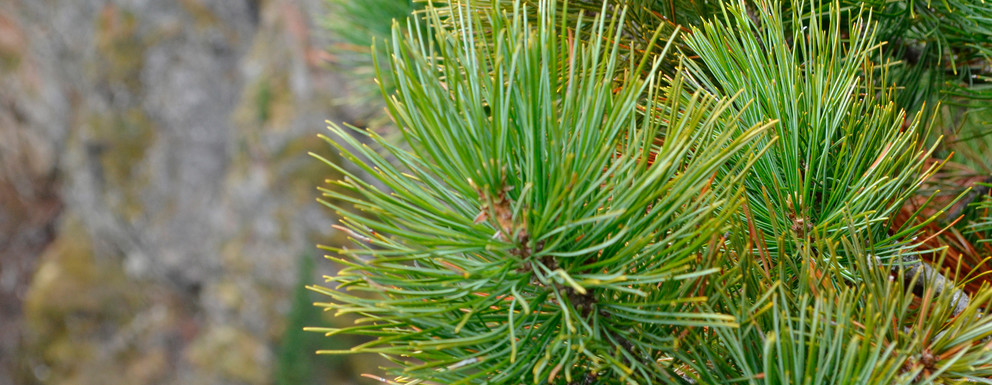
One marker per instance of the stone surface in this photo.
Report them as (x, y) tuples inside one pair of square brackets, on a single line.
[(155, 191)]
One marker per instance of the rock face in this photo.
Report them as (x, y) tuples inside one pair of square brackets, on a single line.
[(155, 192)]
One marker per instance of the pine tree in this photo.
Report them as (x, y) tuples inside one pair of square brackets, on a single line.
[(643, 192)]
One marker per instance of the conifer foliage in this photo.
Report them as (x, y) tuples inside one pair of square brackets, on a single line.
[(649, 192)]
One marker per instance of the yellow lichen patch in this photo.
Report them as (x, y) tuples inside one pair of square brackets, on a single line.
[(202, 16), (231, 353), (121, 49), (72, 281), (229, 295), (120, 141), (75, 299)]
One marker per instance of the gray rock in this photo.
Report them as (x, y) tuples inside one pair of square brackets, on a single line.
[(174, 133)]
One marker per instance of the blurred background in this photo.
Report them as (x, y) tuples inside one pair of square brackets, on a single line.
[(157, 204)]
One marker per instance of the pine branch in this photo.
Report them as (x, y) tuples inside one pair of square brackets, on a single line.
[(549, 217), (841, 147), (588, 195)]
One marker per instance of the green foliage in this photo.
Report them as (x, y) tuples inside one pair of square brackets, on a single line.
[(981, 223), (944, 48), (845, 158), (587, 192), (505, 141), (813, 329), (356, 25), (293, 367)]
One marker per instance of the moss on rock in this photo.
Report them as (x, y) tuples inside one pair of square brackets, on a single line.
[(75, 300)]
